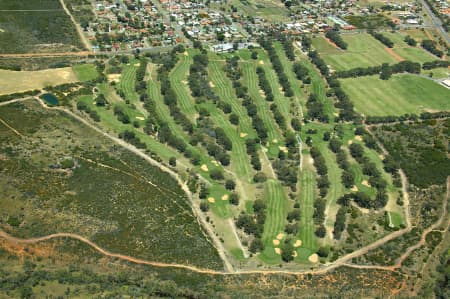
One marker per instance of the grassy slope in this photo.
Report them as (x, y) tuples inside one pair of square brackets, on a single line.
[(277, 205), (399, 95)]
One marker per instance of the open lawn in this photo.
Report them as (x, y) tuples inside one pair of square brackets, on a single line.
[(14, 81), (399, 95), (178, 80), (85, 72), (415, 54), (363, 50)]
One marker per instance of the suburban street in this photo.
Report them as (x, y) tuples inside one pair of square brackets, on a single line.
[(436, 21)]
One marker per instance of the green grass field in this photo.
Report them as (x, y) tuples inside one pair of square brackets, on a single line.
[(277, 206), (85, 72), (363, 50), (307, 196), (178, 82), (399, 95), (415, 54)]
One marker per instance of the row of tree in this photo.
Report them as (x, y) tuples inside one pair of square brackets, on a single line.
[(277, 66), (430, 46), (336, 38), (401, 67), (382, 38), (254, 224)]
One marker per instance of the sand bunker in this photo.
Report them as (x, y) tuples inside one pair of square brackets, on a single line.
[(381, 157), (186, 53), (243, 135), (184, 82), (283, 149), (294, 253), (365, 183), (275, 140), (137, 64), (225, 197), (298, 243), (215, 162), (350, 141), (204, 167), (359, 138), (277, 250), (280, 236), (1, 30), (313, 258), (276, 242), (211, 84), (140, 117), (354, 189), (211, 199), (261, 62), (113, 77)]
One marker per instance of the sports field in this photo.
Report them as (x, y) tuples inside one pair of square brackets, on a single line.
[(363, 51), (399, 95), (18, 81)]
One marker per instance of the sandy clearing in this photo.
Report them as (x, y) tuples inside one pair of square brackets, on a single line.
[(276, 242), (242, 135), (204, 168), (19, 81), (280, 236), (313, 258), (211, 200), (298, 243), (225, 197), (277, 250)]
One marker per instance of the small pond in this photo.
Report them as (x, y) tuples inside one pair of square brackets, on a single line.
[(50, 99)]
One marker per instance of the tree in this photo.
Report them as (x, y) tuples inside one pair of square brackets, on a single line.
[(386, 72), (216, 174), (173, 161), (230, 184), (286, 254), (254, 55), (335, 145), (234, 199), (348, 178), (256, 245), (204, 206)]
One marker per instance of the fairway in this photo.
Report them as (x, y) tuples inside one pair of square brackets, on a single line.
[(415, 54), (14, 81), (399, 95), (363, 51), (277, 205)]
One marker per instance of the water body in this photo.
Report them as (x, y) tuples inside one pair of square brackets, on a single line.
[(50, 99)]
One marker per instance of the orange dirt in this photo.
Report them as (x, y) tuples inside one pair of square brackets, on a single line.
[(331, 43), (393, 54), (26, 55)]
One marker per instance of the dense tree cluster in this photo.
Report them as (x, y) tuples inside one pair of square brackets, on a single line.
[(339, 224), (82, 106), (383, 39), (410, 41), (130, 137), (430, 46), (321, 167), (277, 66), (336, 38), (301, 72), (316, 109), (406, 117), (254, 224)]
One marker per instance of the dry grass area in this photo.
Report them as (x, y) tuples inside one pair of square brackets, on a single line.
[(13, 81)]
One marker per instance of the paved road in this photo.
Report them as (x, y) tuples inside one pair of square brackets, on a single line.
[(436, 21)]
